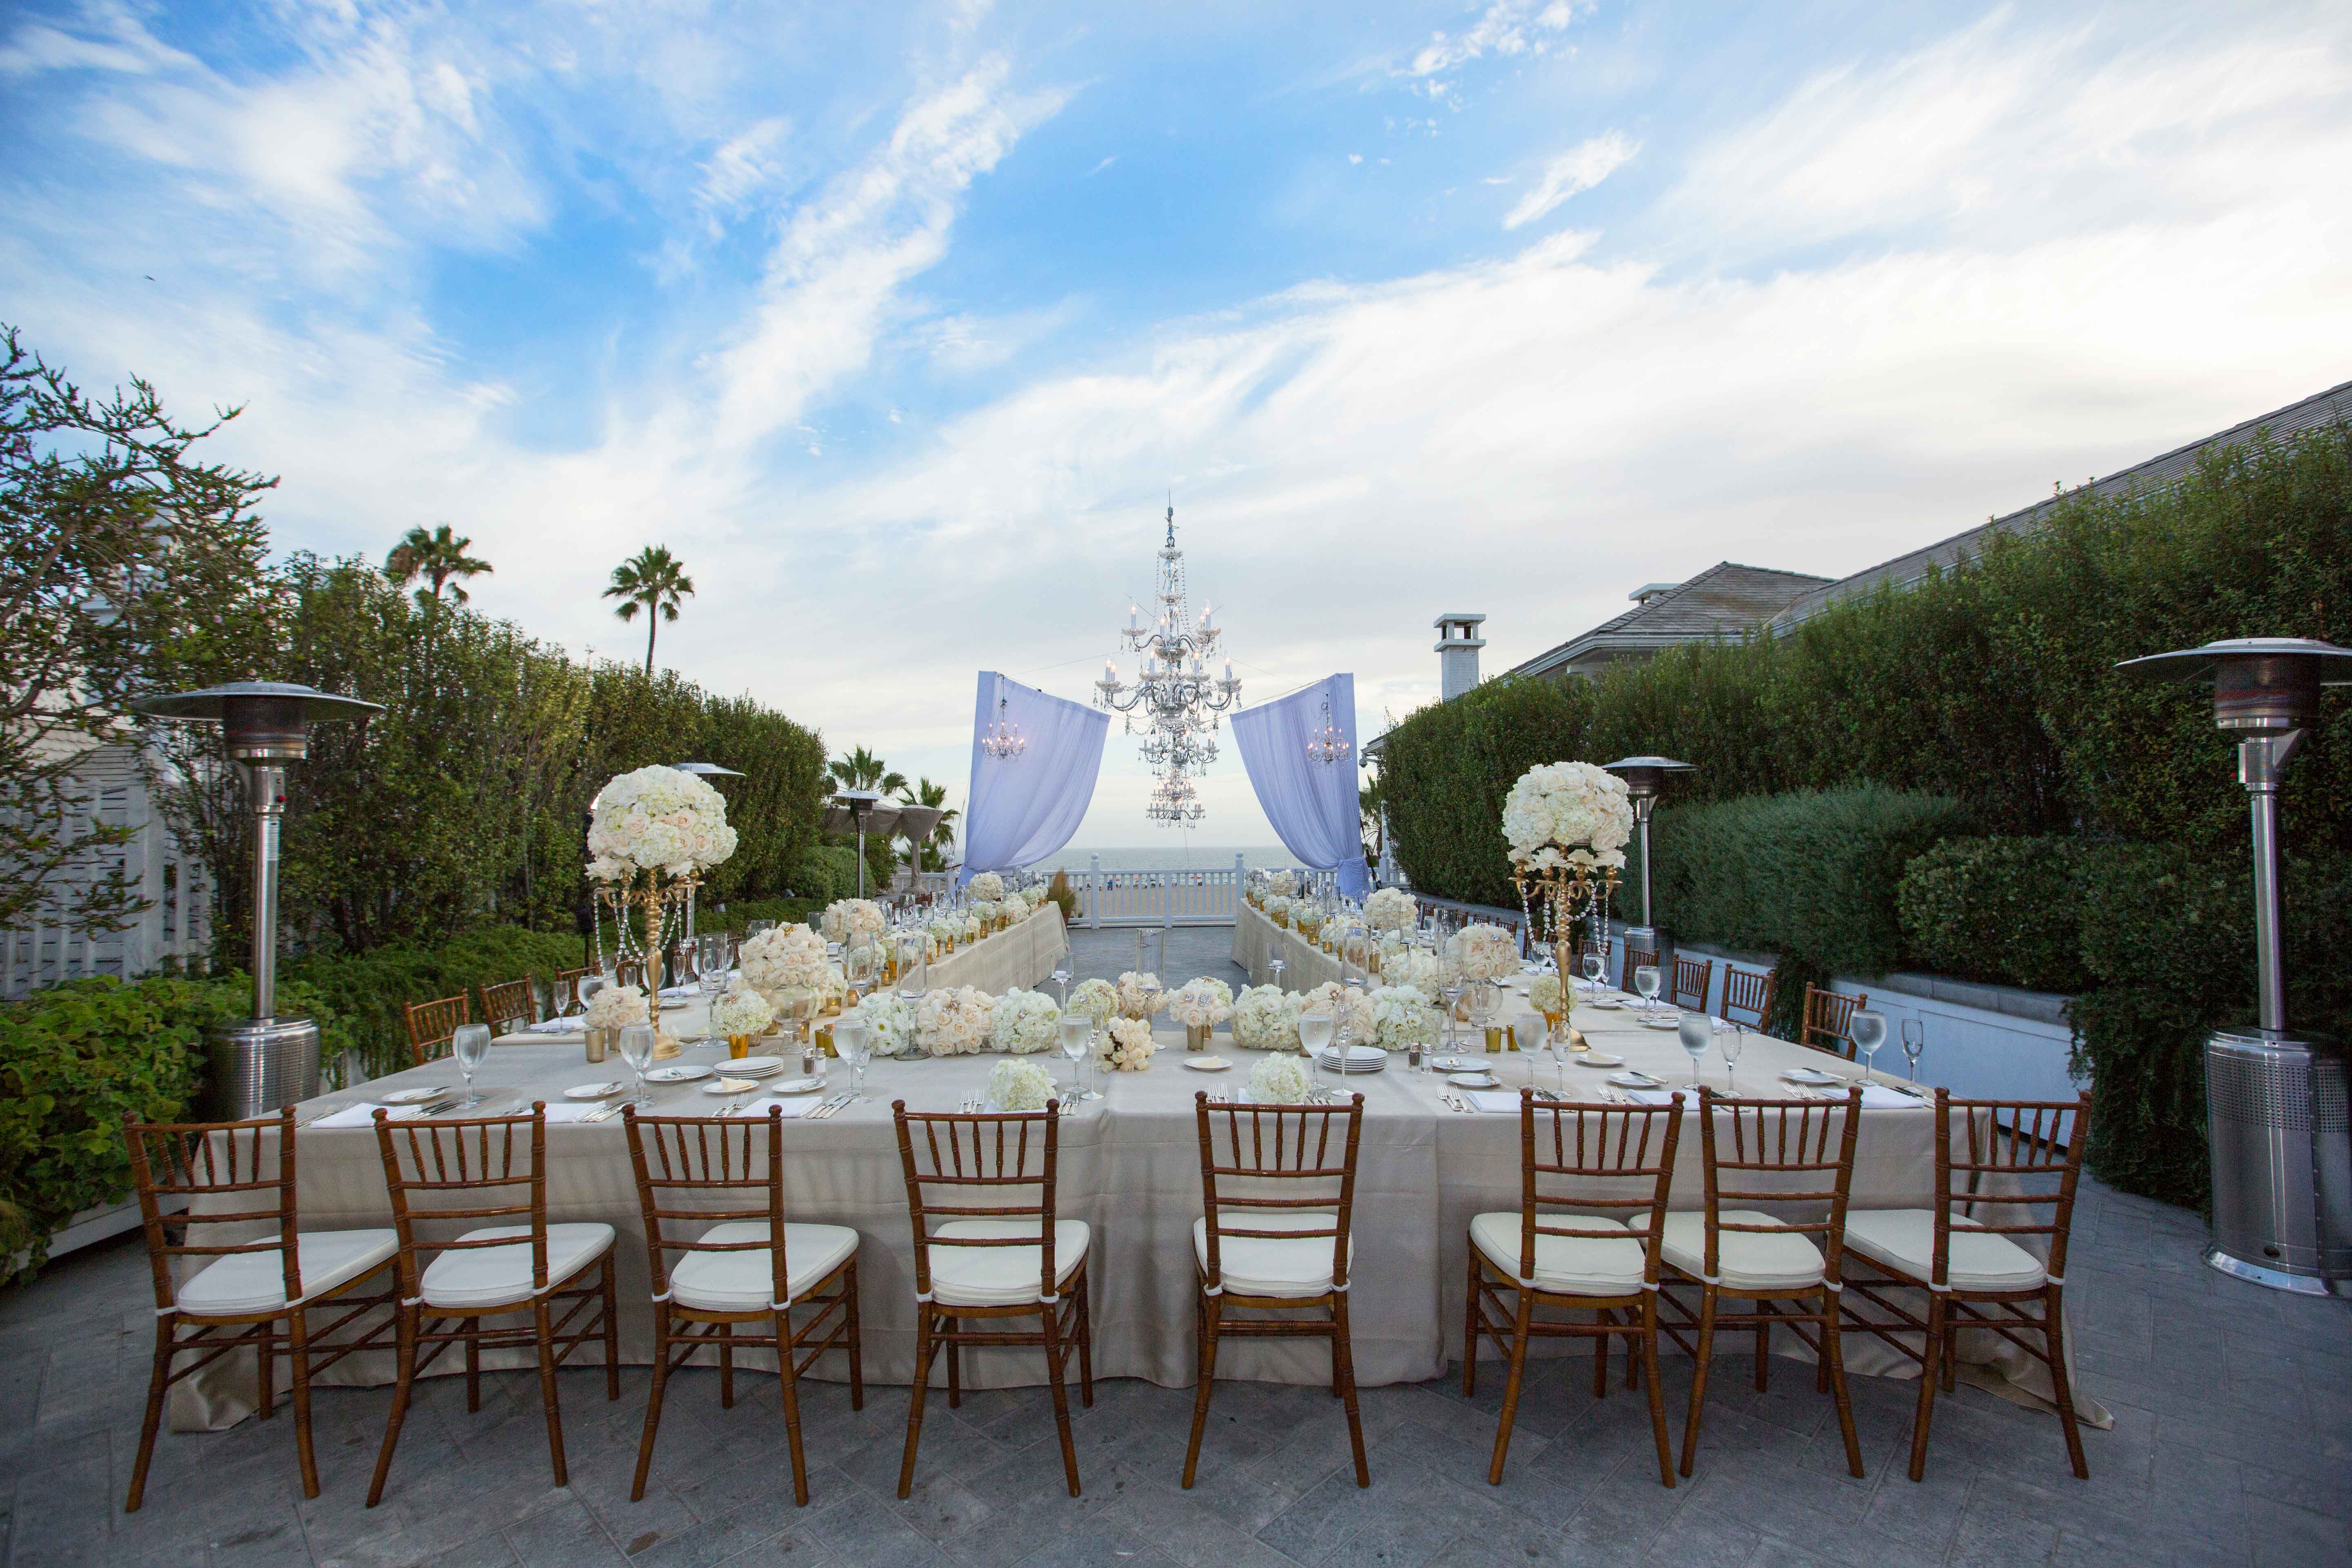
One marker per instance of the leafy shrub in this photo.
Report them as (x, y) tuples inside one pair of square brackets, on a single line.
[(739, 913), (372, 991), (76, 1059), (2006, 910), (1062, 893)]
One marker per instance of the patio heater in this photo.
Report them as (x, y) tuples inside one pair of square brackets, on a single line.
[(714, 773), (2275, 1109), (916, 825), (860, 811), (1645, 781), (264, 1063)]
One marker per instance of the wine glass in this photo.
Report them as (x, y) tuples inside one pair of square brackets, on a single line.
[(1733, 1039), (1555, 1038), (1594, 967), (1645, 981), (1696, 1031), (1077, 1034), (1449, 985), (1869, 1030), (558, 997), (589, 985), (1315, 1033), (1061, 979), (717, 952), (856, 1043), (638, 1050), (1915, 1042), (685, 963), (1483, 1002), (471, 1043), (757, 927)]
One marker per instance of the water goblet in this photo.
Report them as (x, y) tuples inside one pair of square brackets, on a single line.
[(558, 997), (856, 1042), (1077, 1037), (1696, 1031), (757, 928), (589, 985), (1915, 1042), (1733, 1039), (1315, 1030), (1869, 1030), (1483, 1002), (1645, 981), (1594, 967), (638, 1050), (471, 1043)]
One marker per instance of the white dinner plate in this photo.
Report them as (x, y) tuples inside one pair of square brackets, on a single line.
[(1207, 1064), (726, 1086), (754, 1066), (796, 1086), (685, 1074), (1661, 1023), (1810, 1075), (1606, 1003), (593, 1091), (1598, 1059), (1632, 1080), (412, 1096), (1472, 1080), (673, 1006)]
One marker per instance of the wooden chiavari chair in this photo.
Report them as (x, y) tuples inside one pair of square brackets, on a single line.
[(1747, 992), (490, 1271), (1258, 1252), (243, 1288), (1557, 1255), (432, 1025), (1635, 958), (734, 1271), (1745, 1254), (1829, 1021), (1977, 1277), (979, 1259), (509, 1006), (1693, 979)]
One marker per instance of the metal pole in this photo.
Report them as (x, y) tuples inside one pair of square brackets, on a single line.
[(1642, 815), (2260, 762), (266, 783)]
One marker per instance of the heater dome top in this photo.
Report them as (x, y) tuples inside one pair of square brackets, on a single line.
[(1662, 765), (220, 704), (2202, 664)]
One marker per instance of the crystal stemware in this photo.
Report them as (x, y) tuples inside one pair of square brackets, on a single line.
[(1315, 1031), (558, 997), (1594, 967), (1645, 981), (1077, 1036), (1696, 1031), (856, 1043), (1915, 1043), (471, 1043), (1733, 1039), (1061, 979), (638, 1050), (1869, 1030)]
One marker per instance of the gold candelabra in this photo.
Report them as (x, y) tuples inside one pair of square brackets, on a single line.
[(1563, 894)]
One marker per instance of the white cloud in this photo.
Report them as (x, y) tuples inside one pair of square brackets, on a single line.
[(746, 164), (1505, 27), (1578, 169)]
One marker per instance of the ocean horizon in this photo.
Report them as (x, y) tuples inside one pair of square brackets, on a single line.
[(1169, 857)]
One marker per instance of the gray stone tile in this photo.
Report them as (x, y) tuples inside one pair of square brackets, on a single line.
[(2283, 1534), (561, 1537)]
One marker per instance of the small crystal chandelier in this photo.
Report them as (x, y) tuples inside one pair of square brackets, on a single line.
[(1174, 803), (1004, 742), (1326, 745), (1173, 694)]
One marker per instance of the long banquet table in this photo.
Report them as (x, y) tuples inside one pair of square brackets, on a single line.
[(1130, 1167)]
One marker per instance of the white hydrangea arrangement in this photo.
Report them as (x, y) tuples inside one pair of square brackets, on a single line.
[(1305, 918), (1026, 1022), (954, 1021), (1285, 884), (1545, 995), (1015, 1085), (1402, 1017), (616, 1006), (1410, 966), (1095, 999), (1279, 1080), (1140, 995), (890, 1023), (985, 910), (1201, 1000), (988, 885), (1265, 1019), (1019, 906), (1486, 952), (657, 819), (1567, 813), (1124, 1045), (970, 927), (851, 920), (742, 1011), (1277, 906), (787, 957), (944, 930), (1390, 909)]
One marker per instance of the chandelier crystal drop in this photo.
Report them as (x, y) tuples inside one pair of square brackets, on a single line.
[(1173, 697), (1004, 742), (1328, 745)]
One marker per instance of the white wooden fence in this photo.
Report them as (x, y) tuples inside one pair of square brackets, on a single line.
[(1164, 898)]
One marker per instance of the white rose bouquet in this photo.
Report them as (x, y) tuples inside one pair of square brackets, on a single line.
[(890, 1023), (1331, 997), (970, 927), (1305, 918), (1265, 1019), (1545, 995), (944, 930), (1015, 1085), (1096, 999), (1279, 1080), (1277, 906), (1486, 952), (1026, 1022), (853, 920), (987, 885), (1567, 813), (1402, 1017), (1140, 995), (1204, 1001), (1285, 884), (616, 1006), (1410, 966), (657, 819), (954, 1023), (1390, 909), (1019, 906), (985, 910), (786, 957), (742, 1011), (1124, 1045)]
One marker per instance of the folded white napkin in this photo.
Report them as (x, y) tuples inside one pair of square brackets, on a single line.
[(573, 1109), (1877, 1097), (554, 1026), (363, 1115), (1653, 1096), (798, 1105), (1495, 1099), (683, 991)]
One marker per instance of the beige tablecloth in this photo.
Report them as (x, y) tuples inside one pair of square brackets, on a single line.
[(1257, 942), (1020, 956), (1130, 1167)]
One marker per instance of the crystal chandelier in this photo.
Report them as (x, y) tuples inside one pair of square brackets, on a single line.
[(1328, 745), (1003, 740), (1172, 695)]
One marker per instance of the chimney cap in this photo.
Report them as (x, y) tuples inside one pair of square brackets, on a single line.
[(1648, 591), (1457, 618)]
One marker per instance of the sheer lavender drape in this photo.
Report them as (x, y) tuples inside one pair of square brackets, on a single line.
[(1312, 805), (1021, 809)]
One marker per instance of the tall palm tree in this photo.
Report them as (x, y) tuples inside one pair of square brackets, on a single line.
[(926, 793), (439, 555), (863, 770), (654, 581)]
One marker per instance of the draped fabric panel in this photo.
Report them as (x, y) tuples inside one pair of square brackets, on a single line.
[(1021, 809), (1313, 806)]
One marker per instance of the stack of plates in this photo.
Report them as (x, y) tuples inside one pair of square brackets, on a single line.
[(1359, 1058), (753, 1067)]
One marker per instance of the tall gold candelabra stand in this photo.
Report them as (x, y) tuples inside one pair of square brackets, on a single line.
[(1562, 894), (654, 894)]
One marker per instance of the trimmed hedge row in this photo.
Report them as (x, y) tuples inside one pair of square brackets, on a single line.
[(369, 991), (2005, 910)]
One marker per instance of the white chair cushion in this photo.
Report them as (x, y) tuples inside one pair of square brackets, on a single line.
[(248, 1282), (746, 1281), (1568, 1264), (1264, 1266), (495, 1276), (1000, 1276), (1905, 1239), (1749, 1261)]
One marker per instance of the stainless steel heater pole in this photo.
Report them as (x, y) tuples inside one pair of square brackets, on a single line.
[(266, 783)]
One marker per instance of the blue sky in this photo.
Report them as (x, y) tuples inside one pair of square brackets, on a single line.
[(899, 324)]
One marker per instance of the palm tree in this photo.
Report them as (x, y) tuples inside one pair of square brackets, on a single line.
[(440, 555), (926, 793), (863, 770), (654, 581)]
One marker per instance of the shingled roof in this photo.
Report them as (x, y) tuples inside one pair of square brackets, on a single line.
[(1726, 600), (2324, 408)]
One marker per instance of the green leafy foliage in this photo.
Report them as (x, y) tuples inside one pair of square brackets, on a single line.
[(369, 991), (2007, 911)]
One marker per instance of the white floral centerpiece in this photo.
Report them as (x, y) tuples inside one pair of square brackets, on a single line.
[(1124, 1045), (1402, 1017), (1486, 952), (954, 1021), (657, 819), (1410, 966), (1283, 884), (1390, 909), (1200, 1004), (972, 928), (1140, 995), (1279, 1080), (945, 930), (890, 1023), (985, 910), (741, 1012), (1277, 908), (1265, 1019), (1545, 995), (853, 921), (1018, 1086), (1567, 813), (1096, 999), (987, 885), (1026, 1022), (835, 992), (787, 958), (617, 1007), (1019, 906)]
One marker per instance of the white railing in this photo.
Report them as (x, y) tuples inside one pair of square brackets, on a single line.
[(1163, 897)]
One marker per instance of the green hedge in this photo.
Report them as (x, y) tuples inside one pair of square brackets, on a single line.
[(370, 991), (76, 1059), (2006, 910), (738, 915)]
